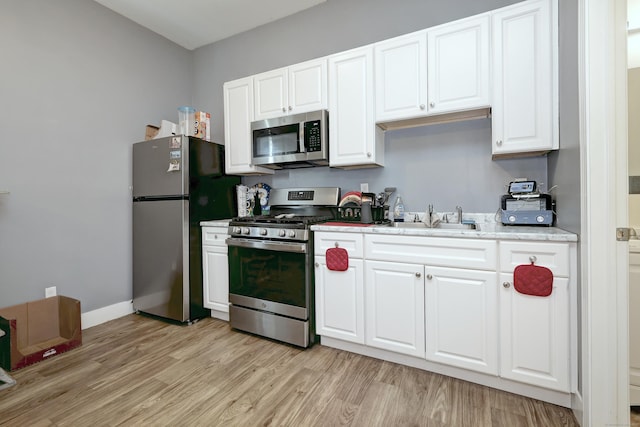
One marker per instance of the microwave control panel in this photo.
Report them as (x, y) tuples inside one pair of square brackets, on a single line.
[(312, 137)]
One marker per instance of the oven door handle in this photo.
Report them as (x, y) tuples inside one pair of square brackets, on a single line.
[(296, 247)]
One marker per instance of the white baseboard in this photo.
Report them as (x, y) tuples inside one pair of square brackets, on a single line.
[(104, 314)]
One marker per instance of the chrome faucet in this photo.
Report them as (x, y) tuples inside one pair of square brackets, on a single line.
[(458, 211)]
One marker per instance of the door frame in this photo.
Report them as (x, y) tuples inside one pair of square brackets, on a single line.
[(604, 189)]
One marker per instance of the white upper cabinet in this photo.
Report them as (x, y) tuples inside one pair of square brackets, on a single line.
[(525, 104), (271, 94), (354, 139), (442, 69), (308, 86), (458, 65), (401, 77), (238, 115), (296, 89)]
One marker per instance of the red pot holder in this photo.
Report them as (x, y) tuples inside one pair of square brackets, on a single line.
[(337, 259), (534, 280)]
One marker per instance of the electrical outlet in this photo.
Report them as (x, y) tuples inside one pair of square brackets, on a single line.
[(364, 187), (50, 292)]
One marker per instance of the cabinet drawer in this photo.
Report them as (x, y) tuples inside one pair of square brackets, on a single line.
[(214, 236), (349, 241), (554, 256), (435, 251)]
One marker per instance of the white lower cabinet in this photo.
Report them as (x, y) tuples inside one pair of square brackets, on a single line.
[(394, 307), (534, 338), (215, 271), (339, 294), (462, 318), (340, 301), (535, 332)]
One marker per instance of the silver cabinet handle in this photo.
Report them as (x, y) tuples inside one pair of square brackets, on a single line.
[(369, 154), (432, 104), (499, 142), (429, 277), (506, 284), (533, 259), (290, 108), (418, 275), (317, 265), (284, 110), (422, 106), (336, 244)]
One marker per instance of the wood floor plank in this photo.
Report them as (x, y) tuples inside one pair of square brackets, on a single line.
[(140, 371)]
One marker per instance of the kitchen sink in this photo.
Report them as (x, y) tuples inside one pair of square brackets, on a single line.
[(440, 226)]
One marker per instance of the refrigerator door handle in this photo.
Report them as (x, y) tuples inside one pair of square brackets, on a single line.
[(157, 198)]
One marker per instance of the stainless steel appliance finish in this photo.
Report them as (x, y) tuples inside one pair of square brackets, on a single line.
[(177, 182), (271, 278), (298, 140)]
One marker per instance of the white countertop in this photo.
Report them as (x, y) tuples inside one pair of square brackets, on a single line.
[(215, 223), (485, 230)]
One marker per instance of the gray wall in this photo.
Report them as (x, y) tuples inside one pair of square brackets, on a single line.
[(445, 165), (78, 84)]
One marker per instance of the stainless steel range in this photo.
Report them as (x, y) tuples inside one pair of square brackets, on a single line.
[(271, 276)]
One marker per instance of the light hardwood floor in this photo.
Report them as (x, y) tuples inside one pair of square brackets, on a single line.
[(142, 371)]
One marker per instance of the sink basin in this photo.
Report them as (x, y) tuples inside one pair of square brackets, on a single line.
[(440, 226)]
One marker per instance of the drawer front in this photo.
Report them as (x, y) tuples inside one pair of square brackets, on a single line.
[(554, 256), (434, 251), (349, 241), (214, 236)]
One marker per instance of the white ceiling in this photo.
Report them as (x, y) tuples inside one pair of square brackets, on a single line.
[(195, 23)]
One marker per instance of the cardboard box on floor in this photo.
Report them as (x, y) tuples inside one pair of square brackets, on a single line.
[(37, 330)]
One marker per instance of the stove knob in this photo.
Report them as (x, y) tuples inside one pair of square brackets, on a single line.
[(292, 233), (282, 233), (512, 218), (236, 230), (540, 218), (245, 230), (263, 231)]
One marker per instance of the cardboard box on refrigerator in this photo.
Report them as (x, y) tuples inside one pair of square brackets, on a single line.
[(37, 330), (203, 125)]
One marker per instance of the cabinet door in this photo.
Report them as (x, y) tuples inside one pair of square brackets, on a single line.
[(238, 115), (524, 108), (458, 65), (534, 335), (394, 307), (354, 139), (215, 275), (308, 86), (340, 301), (270, 91), (462, 318), (401, 77)]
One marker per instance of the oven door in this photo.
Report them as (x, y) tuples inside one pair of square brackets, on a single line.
[(270, 276)]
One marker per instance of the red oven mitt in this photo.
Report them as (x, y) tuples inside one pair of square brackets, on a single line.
[(337, 259), (532, 279)]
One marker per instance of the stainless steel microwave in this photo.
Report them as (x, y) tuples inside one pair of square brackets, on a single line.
[(298, 140)]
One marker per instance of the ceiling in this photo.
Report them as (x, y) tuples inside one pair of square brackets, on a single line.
[(195, 23)]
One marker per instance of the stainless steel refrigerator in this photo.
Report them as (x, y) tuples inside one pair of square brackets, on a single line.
[(178, 181)]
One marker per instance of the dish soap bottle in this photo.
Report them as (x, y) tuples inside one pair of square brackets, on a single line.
[(398, 210)]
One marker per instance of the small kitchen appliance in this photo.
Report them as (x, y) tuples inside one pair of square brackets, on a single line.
[(271, 270), (295, 141), (524, 205)]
